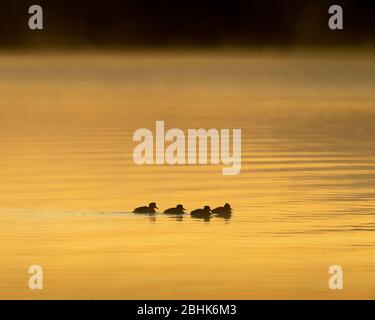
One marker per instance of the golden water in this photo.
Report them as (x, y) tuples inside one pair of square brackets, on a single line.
[(303, 201)]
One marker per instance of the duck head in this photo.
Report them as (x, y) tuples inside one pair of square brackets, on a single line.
[(227, 207), (207, 208), (152, 205), (180, 207)]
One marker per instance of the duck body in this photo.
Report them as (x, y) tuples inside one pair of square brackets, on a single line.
[(150, 209), (144, 210), (178, 210), (201, 213), (226, 210)]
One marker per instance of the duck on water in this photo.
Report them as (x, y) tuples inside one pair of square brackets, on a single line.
[(178, 210), (150, 209), (226, 210), (201, 213)]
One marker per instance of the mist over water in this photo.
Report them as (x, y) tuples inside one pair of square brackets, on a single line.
[(304, 199)]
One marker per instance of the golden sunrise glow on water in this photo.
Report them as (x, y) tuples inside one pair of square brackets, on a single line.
[(303, 201)]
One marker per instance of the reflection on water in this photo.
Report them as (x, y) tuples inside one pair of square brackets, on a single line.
[(177, 217), (304, 199), (226, 216)]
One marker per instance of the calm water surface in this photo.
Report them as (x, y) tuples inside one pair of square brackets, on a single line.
[(303, 201)]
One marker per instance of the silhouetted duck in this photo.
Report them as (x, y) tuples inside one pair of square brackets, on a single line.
[(226, 210), (201, 213), (178, 210), (150, 209)]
